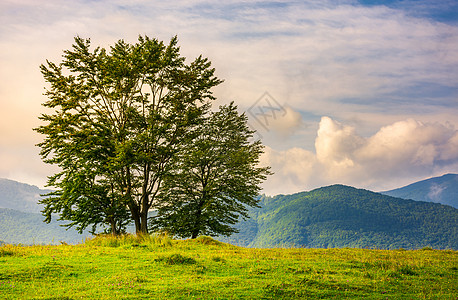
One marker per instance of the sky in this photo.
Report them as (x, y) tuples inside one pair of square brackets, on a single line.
[(362, 93)]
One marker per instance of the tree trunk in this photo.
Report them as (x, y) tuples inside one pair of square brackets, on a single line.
[(144, 214), (114, 230), (133, 207), (134, 211), (195, 233), (196, 229), (144, 222)]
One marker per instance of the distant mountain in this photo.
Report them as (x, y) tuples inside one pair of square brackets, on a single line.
[(343, 216), (20, 196), (18, 227), (333, 216), (442, 189), (21, 221)]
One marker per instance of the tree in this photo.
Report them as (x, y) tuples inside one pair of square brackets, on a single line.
[(214, 180), (117, 121)]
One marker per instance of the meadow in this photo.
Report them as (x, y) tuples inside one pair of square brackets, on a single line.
[(157, 267)]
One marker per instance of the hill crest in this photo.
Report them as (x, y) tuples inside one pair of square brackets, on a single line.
[(443, 189), (344, 216)]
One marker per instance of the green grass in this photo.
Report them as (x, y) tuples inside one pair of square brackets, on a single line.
[(156, 267)]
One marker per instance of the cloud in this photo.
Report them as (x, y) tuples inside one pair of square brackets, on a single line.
[(435, 192), (409, 142), (288, 122), (336, 144), (274, 121), (294, 170), (367, 66), (403, 150)]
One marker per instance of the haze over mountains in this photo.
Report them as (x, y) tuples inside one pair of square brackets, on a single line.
[(17, 227), (21, 221), (443, 189), (20, 196), (333, 216)]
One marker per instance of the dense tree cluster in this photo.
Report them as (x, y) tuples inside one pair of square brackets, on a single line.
[(131, 130)]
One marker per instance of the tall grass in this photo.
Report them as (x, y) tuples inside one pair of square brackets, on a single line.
[(129, 240)]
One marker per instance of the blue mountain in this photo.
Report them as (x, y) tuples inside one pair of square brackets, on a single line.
[(442, 190)]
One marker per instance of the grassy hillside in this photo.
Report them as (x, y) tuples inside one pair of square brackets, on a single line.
[(343, 216), (442, 189), (154, 267)]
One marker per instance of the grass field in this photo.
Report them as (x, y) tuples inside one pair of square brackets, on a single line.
[(156, 267)]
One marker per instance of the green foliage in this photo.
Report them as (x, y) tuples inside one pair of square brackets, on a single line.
[(118, 118), (215, 177), (190, 269), (342, 216)]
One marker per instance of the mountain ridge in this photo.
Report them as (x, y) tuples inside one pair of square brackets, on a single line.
[(344, 216), (442, 189), (331, 216)]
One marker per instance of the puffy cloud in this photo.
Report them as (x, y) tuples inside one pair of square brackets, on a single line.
[(408, 143), (273, 121), (335, 144), (389, 158)]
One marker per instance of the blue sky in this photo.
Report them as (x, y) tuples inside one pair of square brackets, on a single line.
[(441, 11), (365, 92)]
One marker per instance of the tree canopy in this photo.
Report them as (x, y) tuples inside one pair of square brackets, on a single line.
[(214, 179), (122, 121)]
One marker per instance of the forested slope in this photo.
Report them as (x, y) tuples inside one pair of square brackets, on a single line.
[(343, 216), (28, 228), (334, 216)]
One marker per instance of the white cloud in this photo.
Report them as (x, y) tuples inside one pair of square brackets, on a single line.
[(396, 153), (288, 122), (274, 123), (409, 142), (335, 144)]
